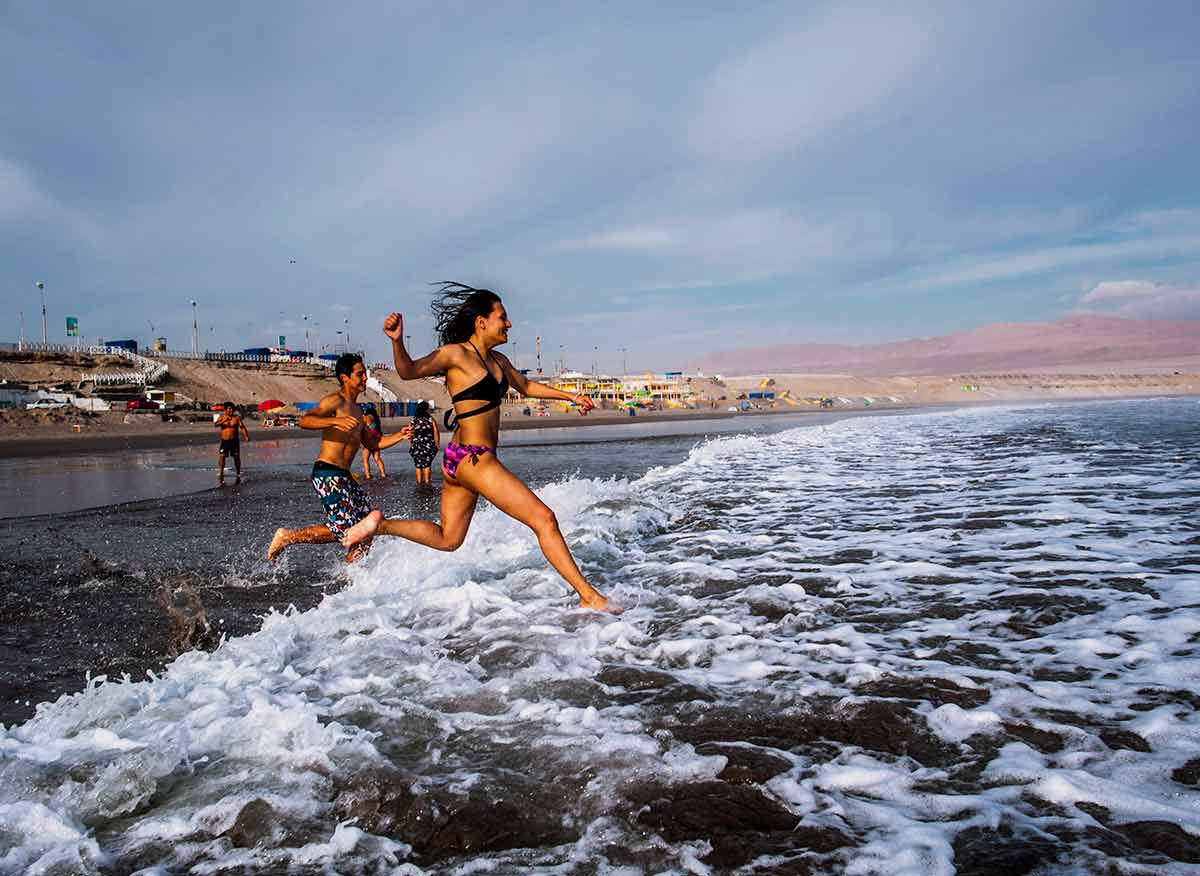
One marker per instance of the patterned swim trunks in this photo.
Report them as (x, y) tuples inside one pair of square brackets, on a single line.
[(344, 501)]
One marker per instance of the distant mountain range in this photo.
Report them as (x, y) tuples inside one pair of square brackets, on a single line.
[(1083, 340)]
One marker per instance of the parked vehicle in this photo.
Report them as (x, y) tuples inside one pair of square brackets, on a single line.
[(45, 404), (141, 404)]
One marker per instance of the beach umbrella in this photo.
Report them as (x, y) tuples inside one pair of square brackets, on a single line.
[(270, 404)]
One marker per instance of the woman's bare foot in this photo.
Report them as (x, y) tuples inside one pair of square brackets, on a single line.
[(599, 603), (278, 543), (362, 530), (359, 551)]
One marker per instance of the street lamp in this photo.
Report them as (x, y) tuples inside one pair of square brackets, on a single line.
[(347, 323), (624, 368), (307, 349), (595, 350), (42, 288), (195, 332)]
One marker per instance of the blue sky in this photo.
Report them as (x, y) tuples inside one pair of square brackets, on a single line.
[(673, 180)]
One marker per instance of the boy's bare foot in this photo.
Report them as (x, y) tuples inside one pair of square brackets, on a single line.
[(278, 543), (362, 530)]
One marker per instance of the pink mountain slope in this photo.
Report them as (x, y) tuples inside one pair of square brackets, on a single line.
[(1074, 340)]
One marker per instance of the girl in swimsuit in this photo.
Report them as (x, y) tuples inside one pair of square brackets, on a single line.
[(471, 323), (423, 446)]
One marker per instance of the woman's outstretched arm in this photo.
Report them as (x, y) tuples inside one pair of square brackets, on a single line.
[(533, 389)]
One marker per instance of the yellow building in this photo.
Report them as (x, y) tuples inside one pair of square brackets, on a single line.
[(671, 389)]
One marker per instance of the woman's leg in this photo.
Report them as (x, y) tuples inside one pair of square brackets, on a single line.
[(458, 507), (366, 464), (379, 462), (508, 492)]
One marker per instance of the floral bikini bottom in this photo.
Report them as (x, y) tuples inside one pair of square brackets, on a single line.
[(456, 453)]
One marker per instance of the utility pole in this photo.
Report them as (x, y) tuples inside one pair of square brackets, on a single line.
[(624, 367), (42, 288), (195, 333), (539, 355)]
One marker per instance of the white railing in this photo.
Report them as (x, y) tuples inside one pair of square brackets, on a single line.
[(382, 391), (116, 378), (253, 358), (153, 371)]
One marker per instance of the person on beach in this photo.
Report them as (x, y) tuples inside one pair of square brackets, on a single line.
[(232, 427), (375, 425), (425, 442), (471, 323), (343, 431)]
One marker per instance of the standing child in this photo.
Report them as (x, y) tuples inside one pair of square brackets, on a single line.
[(371, 416), (232, 427), (425, 442)]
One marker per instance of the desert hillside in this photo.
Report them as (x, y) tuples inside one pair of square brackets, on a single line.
[(241, 383), (1079, 344)]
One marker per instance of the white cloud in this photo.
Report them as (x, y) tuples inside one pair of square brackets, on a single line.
[(1142, 237), (1141, 299), (22, 201), (829, 71), (637, 238)]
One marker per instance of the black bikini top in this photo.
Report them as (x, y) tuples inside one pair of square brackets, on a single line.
[(486, 389)]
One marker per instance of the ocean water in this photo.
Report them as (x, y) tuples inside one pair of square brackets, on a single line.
[(956, 642)]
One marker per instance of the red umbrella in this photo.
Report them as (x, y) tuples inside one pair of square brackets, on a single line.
[(270, 404)]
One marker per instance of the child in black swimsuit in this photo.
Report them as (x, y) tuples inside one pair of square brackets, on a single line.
[(424, 443)]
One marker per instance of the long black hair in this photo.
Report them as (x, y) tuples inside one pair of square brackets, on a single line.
[(456, 307)]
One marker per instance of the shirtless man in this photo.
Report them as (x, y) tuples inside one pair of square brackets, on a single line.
[(230, 423), (344, 431)]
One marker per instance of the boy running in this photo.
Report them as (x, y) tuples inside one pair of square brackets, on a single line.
[(344, 431)]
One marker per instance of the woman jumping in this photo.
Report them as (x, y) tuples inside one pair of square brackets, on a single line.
[(471, 323)]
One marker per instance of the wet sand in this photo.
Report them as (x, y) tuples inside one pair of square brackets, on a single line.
[(118, 436)]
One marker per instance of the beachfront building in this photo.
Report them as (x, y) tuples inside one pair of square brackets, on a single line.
[(668, 390)]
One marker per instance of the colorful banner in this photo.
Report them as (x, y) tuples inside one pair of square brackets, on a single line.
[(72, 327)]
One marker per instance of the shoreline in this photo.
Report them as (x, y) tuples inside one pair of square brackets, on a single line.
[(27, 446), (172, 435)]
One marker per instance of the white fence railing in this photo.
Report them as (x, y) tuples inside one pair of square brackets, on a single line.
[(382, 391), (153, 371), (116, 378)]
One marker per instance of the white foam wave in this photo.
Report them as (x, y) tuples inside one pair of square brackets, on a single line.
[(810, 565)]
